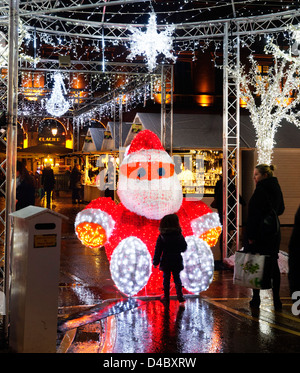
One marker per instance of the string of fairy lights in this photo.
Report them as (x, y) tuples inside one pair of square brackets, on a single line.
[(168, 11), (135, 13)]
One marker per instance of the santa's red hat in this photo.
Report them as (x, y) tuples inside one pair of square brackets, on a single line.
[(145, 140), (145, 147)]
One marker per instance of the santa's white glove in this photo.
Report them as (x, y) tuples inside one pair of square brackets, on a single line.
[(198, 264), (130, 265)]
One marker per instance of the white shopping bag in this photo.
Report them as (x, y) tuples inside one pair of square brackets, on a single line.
[(252, 270)]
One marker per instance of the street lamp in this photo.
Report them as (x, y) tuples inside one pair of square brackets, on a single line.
[(54, 131)]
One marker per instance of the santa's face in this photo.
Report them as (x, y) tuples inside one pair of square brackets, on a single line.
[(148, 184)]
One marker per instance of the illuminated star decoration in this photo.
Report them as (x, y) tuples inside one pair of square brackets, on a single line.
[(151, 43), (57, 105)]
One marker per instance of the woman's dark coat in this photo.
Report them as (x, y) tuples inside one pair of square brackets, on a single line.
[(48, 179), (75, 178), (168, 249), (25, 193), (294, 255), (267, 196)]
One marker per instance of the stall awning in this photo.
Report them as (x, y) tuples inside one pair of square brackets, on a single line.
[(98, 140), (114, 128), (93, 140), (205, 131), (44, 149)]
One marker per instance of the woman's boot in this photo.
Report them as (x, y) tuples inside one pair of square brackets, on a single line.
[(276, 300), (255, 301)]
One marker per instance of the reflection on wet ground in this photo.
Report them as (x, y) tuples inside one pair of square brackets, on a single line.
[(170, 329), (202, 326)]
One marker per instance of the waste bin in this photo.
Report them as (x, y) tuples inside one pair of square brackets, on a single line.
[(35, 267)]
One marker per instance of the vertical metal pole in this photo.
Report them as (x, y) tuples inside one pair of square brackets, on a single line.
[(225, 140), (167, 107), (163, 107), (231, 141), (76, 134), (236, 176), (75, 130), (120, 121), (11, 149), (171, 108)]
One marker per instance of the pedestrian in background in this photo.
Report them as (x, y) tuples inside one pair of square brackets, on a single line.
[(294, 256), (169, 246), (262, 239), (25, 190), (217, 203), (110, 181), (75, 183), (48, 182)]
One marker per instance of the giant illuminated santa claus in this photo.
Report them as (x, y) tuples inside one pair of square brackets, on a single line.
[(149, 189)]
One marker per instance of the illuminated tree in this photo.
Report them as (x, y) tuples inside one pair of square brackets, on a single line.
[(270, 96)]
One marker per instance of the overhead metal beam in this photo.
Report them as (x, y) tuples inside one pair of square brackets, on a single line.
[(182, 32), (76, 6), (91, 67)]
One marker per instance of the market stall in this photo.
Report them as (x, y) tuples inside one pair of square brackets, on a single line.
[(98, 151), (38, 156)]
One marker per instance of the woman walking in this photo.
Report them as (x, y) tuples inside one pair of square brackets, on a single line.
[(263, 228)]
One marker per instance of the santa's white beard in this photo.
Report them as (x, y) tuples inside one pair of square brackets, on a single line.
[(151, 198)]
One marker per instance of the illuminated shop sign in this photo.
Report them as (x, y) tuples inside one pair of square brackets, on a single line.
[(50, 139)]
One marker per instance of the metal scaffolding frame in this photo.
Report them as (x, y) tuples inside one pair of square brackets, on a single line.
[(35, 16), (11, 146), (167, 107), (231, 142)]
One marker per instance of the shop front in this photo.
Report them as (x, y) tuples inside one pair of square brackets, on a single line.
[(198, 171), (49, 145), (37, 157), (99, 155)]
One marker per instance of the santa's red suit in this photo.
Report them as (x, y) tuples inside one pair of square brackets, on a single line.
[(149, 189)]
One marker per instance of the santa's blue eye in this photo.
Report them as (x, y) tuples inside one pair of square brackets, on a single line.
[(161, 171), (141, 173)]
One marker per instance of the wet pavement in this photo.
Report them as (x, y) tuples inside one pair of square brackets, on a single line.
[(94, 317), (205, 325)]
